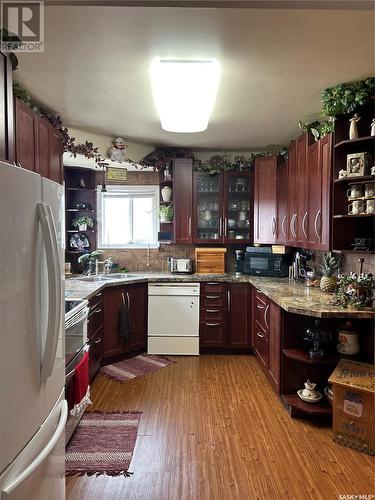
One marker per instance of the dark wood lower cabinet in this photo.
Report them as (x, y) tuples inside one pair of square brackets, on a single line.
[(96, 353), (224, 317), (134, 299), (267, 336)]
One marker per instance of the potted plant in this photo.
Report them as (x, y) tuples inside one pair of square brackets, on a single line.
[(166, 213), (330, 264), (83, 223)]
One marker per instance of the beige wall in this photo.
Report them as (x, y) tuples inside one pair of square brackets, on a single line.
[(135, 151)]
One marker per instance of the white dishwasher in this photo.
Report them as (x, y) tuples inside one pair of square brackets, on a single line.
[(173, 318)]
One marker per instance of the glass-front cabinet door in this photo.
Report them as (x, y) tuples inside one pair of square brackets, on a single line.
[(237, 208), (208, 207)]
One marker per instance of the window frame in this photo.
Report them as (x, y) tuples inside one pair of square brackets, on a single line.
[(152, 190)]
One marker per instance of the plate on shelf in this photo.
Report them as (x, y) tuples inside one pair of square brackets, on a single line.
[(309, 400), (79, 241)]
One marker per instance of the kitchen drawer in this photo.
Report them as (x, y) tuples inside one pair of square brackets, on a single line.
[(96, 353), (212, 334), (211, 288), (214, 301), (95, 319), (93, 302), (261, 344), (213, 315), (261, 313)]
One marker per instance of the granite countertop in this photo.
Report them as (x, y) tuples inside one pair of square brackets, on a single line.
[(293, 297)]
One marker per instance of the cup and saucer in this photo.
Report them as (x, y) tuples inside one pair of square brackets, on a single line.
[(309, 394)]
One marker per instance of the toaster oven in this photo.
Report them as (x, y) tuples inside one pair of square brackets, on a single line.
[(180, 265)]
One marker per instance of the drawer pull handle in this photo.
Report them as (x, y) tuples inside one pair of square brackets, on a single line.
[(98, 341), (99, 294), (260, 307), (97, 311), (260, 335), (212, 310), (265, 316), (213, 297), (212, 324), (213, 284)]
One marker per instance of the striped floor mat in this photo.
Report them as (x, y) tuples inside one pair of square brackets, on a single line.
[(128, 369)]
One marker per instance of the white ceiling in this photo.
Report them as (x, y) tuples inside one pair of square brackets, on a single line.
[(95, 68)]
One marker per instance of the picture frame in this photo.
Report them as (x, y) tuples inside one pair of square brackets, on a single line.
[(356, 164), (115, 174)]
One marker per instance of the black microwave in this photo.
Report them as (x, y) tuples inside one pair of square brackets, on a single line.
[(266, 264)]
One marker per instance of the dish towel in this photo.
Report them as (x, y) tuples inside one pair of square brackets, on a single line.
[(124, 330), (81, 396)]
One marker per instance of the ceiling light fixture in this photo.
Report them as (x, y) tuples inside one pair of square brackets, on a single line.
[(184, 92)]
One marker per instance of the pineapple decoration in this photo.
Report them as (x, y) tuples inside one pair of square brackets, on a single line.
[(330, 264)]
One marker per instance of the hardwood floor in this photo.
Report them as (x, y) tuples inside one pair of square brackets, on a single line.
[(212, 428)]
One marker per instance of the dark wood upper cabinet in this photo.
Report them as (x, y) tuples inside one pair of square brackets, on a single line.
[(39, 146), (56, 151), (26, 136), (282, 200), (265, 200), (302, 186), (222, 207), (319, 181), (6, 110), (183, 198), (43, 148)]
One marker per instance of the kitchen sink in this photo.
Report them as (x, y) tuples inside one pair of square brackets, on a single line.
[(108, 277)]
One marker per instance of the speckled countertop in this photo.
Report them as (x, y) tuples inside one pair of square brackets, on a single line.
[(291, 296)]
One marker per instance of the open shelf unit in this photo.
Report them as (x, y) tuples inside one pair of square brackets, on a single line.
[(166, 233), (298, 367), (345, 230), (76, 196)]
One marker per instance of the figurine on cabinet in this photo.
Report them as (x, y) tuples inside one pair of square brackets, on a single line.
[(357, 164), (372, 133), (118, 149), (353, 130)]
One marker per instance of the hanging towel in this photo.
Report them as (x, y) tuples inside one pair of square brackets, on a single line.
[(124, 327), (81, 389)]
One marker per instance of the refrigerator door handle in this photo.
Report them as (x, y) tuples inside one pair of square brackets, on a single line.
[(54, 289), (30, 469)]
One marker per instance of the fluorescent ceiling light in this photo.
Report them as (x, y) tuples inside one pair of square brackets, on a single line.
[(184, 92)]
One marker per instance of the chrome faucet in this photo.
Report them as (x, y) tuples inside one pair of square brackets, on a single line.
[(107, 264)]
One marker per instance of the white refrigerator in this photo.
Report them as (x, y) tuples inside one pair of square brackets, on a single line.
[(33, 409)]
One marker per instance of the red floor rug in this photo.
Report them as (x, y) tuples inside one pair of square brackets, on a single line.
[(128, 369), (103, 443)]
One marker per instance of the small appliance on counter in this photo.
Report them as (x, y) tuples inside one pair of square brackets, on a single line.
[(260, 261), (177, 266)]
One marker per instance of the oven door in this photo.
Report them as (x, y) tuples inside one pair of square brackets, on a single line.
[(75, 334)]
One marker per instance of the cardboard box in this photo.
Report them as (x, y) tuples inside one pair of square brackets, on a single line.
[(353, 405)]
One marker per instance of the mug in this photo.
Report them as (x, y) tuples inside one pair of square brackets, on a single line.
[(370, 206), (356, 207), (354, 191), (348, 343), (369, 189), (373, 170)]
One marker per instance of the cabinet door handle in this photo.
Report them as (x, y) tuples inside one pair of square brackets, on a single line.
[(225, 226), (189, 226), (98, 341), (265, 316), (259, 334), (293, 225), (273, 225), (123, 299), (303, 225), (212, 324), (318, 213), (228, 295), (220, 226), (283, 226), (128, 300)]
